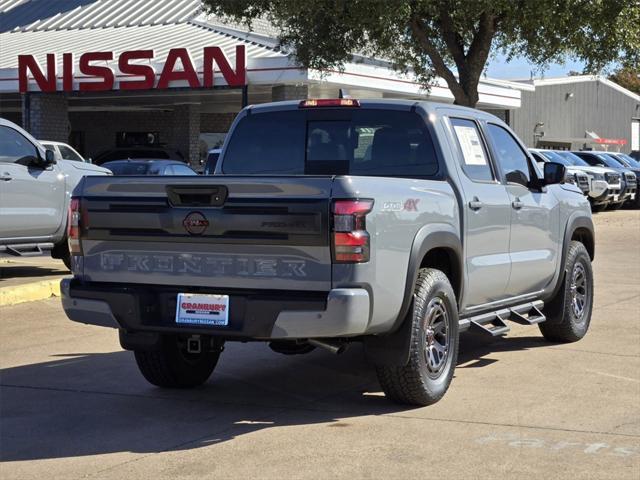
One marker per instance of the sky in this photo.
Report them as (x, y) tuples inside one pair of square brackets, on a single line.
[(520, 69)]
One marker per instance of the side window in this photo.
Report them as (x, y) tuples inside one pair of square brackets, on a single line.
[(475, 161), (68, 154), (14, 146), (513, 161), (182, 170)]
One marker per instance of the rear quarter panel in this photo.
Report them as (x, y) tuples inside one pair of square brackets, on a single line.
[(401, 208)]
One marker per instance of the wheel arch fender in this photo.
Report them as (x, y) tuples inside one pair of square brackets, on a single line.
[(393, 348), (579, 225)]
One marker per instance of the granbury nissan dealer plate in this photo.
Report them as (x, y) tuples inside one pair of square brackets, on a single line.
[(197, 309)]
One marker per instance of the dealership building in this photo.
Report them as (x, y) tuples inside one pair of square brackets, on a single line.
[(101, 74)]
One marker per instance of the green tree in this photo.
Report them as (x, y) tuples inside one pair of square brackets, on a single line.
[(452, 39), (628, 78)]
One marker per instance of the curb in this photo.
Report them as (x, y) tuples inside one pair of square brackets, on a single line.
[(29, 292)]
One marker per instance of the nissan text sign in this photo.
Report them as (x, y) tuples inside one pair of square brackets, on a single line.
[(135, 70)]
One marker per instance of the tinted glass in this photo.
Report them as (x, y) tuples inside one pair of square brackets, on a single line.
[(182, 170), (354, 141), (210, 166), (573, 158), (474, 158), (554, 157), (14, 146), (630, 160), (513, 161), (128, 168), (69, 154), (267, 143)]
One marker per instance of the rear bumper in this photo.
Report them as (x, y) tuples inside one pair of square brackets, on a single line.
[(342, 312)]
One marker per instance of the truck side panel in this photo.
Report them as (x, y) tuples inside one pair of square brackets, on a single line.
[(402, 207)]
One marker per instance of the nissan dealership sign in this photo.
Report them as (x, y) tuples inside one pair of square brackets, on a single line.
[(136, 70)]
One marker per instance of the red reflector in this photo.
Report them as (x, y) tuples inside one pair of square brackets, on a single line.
[(352, 207), (329, 102)]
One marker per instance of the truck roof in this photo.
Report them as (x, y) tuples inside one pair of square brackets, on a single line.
[(395, 104)]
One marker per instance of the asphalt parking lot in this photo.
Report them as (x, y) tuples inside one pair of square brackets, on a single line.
[(73, 405)]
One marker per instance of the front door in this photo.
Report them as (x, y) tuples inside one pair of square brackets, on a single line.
[(31, 198), (486, 216), (535, 217)]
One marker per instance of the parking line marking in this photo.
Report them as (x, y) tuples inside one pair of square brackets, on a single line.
[(615, 376)]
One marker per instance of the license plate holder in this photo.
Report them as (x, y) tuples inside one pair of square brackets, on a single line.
[(202, 309)]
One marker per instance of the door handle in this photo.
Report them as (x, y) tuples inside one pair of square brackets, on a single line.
[(517, 204), (475, 204), (5, 177)]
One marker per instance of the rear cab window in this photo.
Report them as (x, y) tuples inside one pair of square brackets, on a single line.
[(474, 160), (358, 141)]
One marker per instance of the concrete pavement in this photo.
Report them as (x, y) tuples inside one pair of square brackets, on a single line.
[(73, 405)]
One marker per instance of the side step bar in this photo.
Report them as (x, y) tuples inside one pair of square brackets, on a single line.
[(25, 249), (494, 323)]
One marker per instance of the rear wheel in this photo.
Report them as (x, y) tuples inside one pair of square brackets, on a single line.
[(434, 344), (61, 251), (173, 366), (570, 319)]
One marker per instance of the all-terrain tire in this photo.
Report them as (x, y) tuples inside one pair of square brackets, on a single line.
[(417, 382), (569, 318), (61, 251), (171, 366)]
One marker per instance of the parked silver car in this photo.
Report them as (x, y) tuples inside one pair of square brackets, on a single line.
[(35, 189)]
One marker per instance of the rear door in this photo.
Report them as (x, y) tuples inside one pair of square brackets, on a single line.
[(487, 215), (221, 232), (31, 198), (535, 217)]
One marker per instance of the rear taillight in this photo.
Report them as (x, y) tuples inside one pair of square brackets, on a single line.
[(74, 225), (329, 102), (350, 237)]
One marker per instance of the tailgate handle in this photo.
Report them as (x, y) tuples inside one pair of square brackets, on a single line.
[(196, 196)]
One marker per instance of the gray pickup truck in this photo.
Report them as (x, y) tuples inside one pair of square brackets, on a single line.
[(398, 224), (35, 190)]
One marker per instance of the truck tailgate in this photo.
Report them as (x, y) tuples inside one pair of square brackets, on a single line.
[(213, 231)]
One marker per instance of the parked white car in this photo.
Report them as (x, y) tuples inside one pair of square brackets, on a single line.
[(604, 183), (63, 151)]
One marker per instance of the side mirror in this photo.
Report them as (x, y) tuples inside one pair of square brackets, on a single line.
[(49, 158), (554, 173)]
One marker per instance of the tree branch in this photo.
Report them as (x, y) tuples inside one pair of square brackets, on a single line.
[(418, 31), (452, 38)]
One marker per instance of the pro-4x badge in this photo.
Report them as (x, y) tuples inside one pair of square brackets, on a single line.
[(195, 223)]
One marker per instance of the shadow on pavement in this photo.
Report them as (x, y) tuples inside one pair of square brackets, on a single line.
[(29, 271), (88, 404)]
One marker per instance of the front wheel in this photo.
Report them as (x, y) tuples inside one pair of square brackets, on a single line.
[(173, 366), (569, 318), (434, 344)]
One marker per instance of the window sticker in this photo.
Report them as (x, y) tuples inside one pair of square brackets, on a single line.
[(471, 145)]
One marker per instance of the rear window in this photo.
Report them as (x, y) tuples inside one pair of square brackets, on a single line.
[(368, 142), (129, 168)]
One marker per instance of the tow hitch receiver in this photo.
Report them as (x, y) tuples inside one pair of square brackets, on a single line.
[(194, 345)]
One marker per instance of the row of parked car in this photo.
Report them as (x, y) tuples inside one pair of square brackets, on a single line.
[(608, 179)]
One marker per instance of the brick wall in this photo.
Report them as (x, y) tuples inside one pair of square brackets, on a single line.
[(47, 116), (289, 92), (100, 128), (186, 131), (216, 122)]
